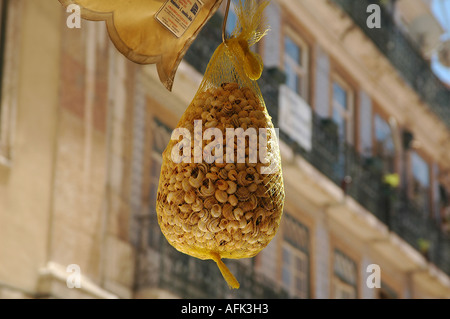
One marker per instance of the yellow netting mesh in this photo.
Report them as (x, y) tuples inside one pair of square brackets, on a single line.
[(219, 195)]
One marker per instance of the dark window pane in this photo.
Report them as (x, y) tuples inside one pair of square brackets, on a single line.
[(292, 50), (340, 95)]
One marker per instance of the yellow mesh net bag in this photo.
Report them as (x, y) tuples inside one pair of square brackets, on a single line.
[(221, 190)]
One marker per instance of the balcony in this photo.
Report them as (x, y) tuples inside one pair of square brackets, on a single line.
[(164, 268), (335, 160), (403, 55)]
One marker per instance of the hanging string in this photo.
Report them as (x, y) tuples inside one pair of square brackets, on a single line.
[(225, 18)]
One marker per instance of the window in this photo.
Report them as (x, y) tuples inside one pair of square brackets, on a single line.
[(295, 271), (342, 110), (344, 276), (384, 147), (296, 65), (342, 116), (420, 181), (343, 290), (295, 257)]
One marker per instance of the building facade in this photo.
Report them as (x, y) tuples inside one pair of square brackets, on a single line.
[(364, 139)]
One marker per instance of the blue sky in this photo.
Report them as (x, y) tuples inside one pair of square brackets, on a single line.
[(441, 9)]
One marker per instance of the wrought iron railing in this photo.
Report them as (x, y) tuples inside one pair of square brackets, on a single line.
[(403, 55), (188, 277), (413, 224), (340, 161)]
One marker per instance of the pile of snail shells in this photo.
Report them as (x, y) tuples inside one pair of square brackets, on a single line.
[(230, 209)]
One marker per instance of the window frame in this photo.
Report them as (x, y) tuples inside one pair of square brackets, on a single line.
[(377, 112), (295, 272), (336, 281), (302, 70), (411, 178), (340, 286), (350, 130), (296, 237)]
